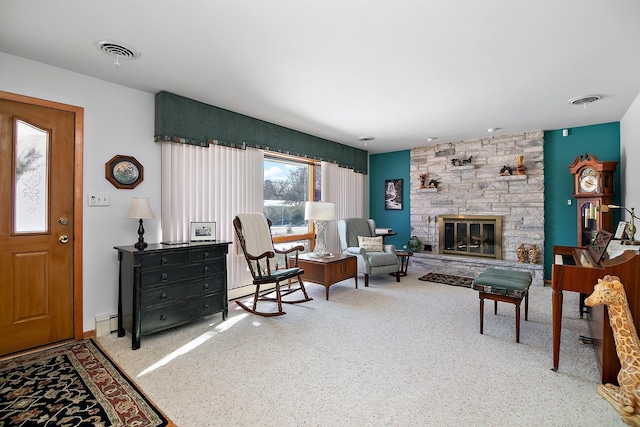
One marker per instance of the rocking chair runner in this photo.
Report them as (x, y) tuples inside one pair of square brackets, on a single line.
[(254, 237)]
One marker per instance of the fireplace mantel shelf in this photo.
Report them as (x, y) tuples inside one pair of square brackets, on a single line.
[(460, 168), (511, 177)]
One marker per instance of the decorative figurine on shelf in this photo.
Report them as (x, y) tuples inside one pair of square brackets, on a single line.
[(521, 252), (534, 253), (423, 179), (506, 170), (520, 168), (626, 397), (461, 162), (433, 183)]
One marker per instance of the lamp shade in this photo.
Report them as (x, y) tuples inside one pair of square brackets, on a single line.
[(140, 208), (320, 211)]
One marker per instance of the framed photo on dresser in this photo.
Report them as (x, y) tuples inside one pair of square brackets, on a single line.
[(203, 231)]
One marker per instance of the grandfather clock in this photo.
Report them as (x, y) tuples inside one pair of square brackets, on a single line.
[(592, 187)]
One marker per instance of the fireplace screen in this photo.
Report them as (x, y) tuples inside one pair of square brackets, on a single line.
[(471, 235)]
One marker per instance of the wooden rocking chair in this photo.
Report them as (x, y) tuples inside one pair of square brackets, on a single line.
[(254, 236)]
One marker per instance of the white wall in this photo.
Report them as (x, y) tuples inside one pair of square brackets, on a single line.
[(630, 155), (117, 120)]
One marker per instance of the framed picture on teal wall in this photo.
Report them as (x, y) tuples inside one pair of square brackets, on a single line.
[(393, 194)]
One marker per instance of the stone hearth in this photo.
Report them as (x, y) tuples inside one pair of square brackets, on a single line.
[(426, 262)]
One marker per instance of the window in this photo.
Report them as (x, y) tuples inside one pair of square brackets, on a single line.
[(289, 182)]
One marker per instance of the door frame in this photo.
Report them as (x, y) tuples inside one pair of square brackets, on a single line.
[(78, 112)]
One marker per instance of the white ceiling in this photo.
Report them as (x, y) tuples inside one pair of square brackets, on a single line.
[(399, 70)]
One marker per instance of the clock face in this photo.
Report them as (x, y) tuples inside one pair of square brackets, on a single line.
[(588, 180)]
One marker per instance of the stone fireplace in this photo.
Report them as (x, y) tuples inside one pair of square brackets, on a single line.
[(478, 193), (471, 235)]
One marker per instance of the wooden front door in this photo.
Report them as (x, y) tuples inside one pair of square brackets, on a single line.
[(37, 230)]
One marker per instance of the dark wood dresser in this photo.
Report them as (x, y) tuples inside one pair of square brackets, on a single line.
[(164, 286)]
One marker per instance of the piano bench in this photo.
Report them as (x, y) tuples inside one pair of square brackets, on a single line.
[(505, 286)]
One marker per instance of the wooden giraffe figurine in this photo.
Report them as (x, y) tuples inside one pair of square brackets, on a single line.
[(626, 397)]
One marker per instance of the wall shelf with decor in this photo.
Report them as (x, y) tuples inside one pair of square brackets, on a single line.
[(511, 177), (460, 168)]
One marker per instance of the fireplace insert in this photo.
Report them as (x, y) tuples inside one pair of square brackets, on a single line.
[(471, 235)]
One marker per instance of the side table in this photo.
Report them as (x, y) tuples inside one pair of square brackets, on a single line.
[(404, 262), (327, 271), (386, 235)]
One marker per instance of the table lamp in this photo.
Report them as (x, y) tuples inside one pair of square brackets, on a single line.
[(320, 213), (140, 209)]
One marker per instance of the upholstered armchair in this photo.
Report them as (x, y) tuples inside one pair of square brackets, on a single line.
[(378, 259)]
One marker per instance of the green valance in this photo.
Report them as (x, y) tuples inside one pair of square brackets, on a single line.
[(184, 120)]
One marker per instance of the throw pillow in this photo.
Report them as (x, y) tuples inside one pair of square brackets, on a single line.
[(370, 243)]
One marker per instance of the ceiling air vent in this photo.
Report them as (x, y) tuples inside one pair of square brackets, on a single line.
[(365, 139), (585, 99), (118, 50)]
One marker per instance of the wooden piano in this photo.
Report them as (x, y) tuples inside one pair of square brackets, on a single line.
[(578, 269)]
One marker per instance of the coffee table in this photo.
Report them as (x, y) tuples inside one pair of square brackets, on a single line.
[(327, 271)]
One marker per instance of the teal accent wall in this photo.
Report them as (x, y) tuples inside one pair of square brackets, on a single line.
[(561, 226), (394, 165)]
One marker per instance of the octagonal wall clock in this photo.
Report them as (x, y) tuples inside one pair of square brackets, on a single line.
[(124, 172)]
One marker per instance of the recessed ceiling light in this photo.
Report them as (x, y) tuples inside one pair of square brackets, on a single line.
[(431, 138), (493, 129), (584, 99)]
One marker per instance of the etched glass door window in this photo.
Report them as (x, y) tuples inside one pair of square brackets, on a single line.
[(31, 148)]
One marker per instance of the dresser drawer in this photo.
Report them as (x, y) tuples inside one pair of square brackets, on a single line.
[(159, 260), (205, 254), (166, 316), (176, 274), (178, 291)]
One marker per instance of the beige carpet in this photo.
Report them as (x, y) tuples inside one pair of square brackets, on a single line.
[(393, 354)]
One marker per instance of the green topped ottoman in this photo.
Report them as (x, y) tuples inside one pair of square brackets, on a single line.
[(505, 286)]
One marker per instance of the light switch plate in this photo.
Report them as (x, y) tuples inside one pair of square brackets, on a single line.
[(98, 199)]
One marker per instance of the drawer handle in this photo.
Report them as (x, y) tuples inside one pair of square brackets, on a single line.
[(164, 261), (205, 286), (163, 296), (206, 254), (206, 270), (164, 277), (163, 317), (206, 306)]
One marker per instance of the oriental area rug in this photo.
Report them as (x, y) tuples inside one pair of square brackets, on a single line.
[(448, 279), (75, 384)]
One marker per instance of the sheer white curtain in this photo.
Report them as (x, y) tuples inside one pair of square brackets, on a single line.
[(345, 188), (211, 184)]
